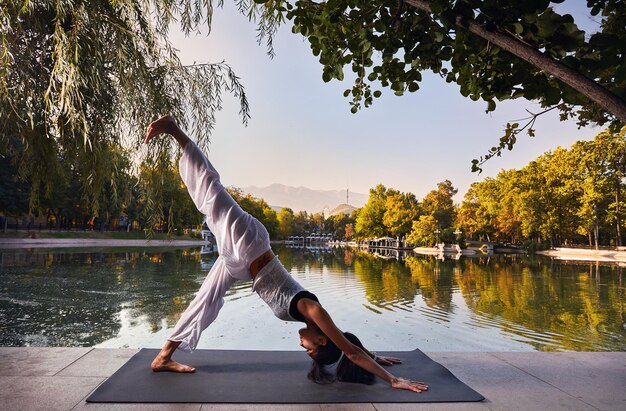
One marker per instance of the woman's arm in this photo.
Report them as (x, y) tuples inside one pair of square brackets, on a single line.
[(167, 124), (322, 319)]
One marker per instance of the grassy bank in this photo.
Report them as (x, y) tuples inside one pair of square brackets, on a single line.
[(111, 235)]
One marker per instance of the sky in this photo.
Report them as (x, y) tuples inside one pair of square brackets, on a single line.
[(302, 132)]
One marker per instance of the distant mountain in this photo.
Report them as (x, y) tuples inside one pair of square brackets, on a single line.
[(305, 199)]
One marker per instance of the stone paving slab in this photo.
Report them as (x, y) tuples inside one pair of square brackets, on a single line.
[(578, 374), (29, 393), (505, 386), (62, 378), (37, 361), (99, 362)]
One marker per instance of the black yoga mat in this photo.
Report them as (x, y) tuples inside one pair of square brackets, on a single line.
[(226, 376)]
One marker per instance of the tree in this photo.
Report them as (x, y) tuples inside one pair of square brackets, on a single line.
[(611, 153), (285, 222), (258, 208), (561, 193), (369, 222), (596, 188), (340, 225), (13, 192), (401, 210), (480, 207), (439, 204), (349, 231), (494, 50), (302, 224), (423, 231), (270, 221), (76, 77), (162, 185), (508, 223), (559, 196), (317, 222)]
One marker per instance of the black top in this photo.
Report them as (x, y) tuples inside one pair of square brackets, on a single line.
[(293, 306)]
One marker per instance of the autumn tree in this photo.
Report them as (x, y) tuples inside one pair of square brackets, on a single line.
[(285, 222), (423, 231), (349, 231), (401, 210), (479, 209), (369, 222), (611, 155), (561, 192), (561, 197), (440, 204), (340, 225)]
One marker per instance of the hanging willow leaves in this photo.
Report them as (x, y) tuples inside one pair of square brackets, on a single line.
[(81, 78)]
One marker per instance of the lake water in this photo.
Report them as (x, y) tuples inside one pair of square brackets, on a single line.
[(132, 298)]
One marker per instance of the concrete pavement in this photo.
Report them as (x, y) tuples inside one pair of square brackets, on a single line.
[(61, 378)]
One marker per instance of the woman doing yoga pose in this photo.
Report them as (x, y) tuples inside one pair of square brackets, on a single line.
[(244, 254)]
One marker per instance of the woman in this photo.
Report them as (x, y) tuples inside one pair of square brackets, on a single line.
[(245, 254)]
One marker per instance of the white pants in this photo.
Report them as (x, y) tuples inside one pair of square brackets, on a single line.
[(241, 239)]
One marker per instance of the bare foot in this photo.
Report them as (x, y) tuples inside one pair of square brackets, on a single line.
[(159, 365)]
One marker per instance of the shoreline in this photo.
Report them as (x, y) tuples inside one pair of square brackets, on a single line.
[(560, 253), (12, 243)]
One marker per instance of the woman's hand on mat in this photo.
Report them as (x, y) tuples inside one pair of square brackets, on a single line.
[(387, 360), (403, 384)]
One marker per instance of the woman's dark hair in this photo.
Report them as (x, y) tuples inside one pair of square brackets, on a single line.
[(347, 371)]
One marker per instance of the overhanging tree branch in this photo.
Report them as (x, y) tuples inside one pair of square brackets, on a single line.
[(587, 87)]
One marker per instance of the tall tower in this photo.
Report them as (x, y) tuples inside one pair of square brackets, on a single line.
[(347, 196)]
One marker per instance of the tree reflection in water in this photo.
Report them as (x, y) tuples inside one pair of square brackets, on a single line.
[(80, 297)]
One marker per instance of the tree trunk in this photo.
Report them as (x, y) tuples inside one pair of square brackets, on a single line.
[(596, 230), (618, 220), (587, 87)]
